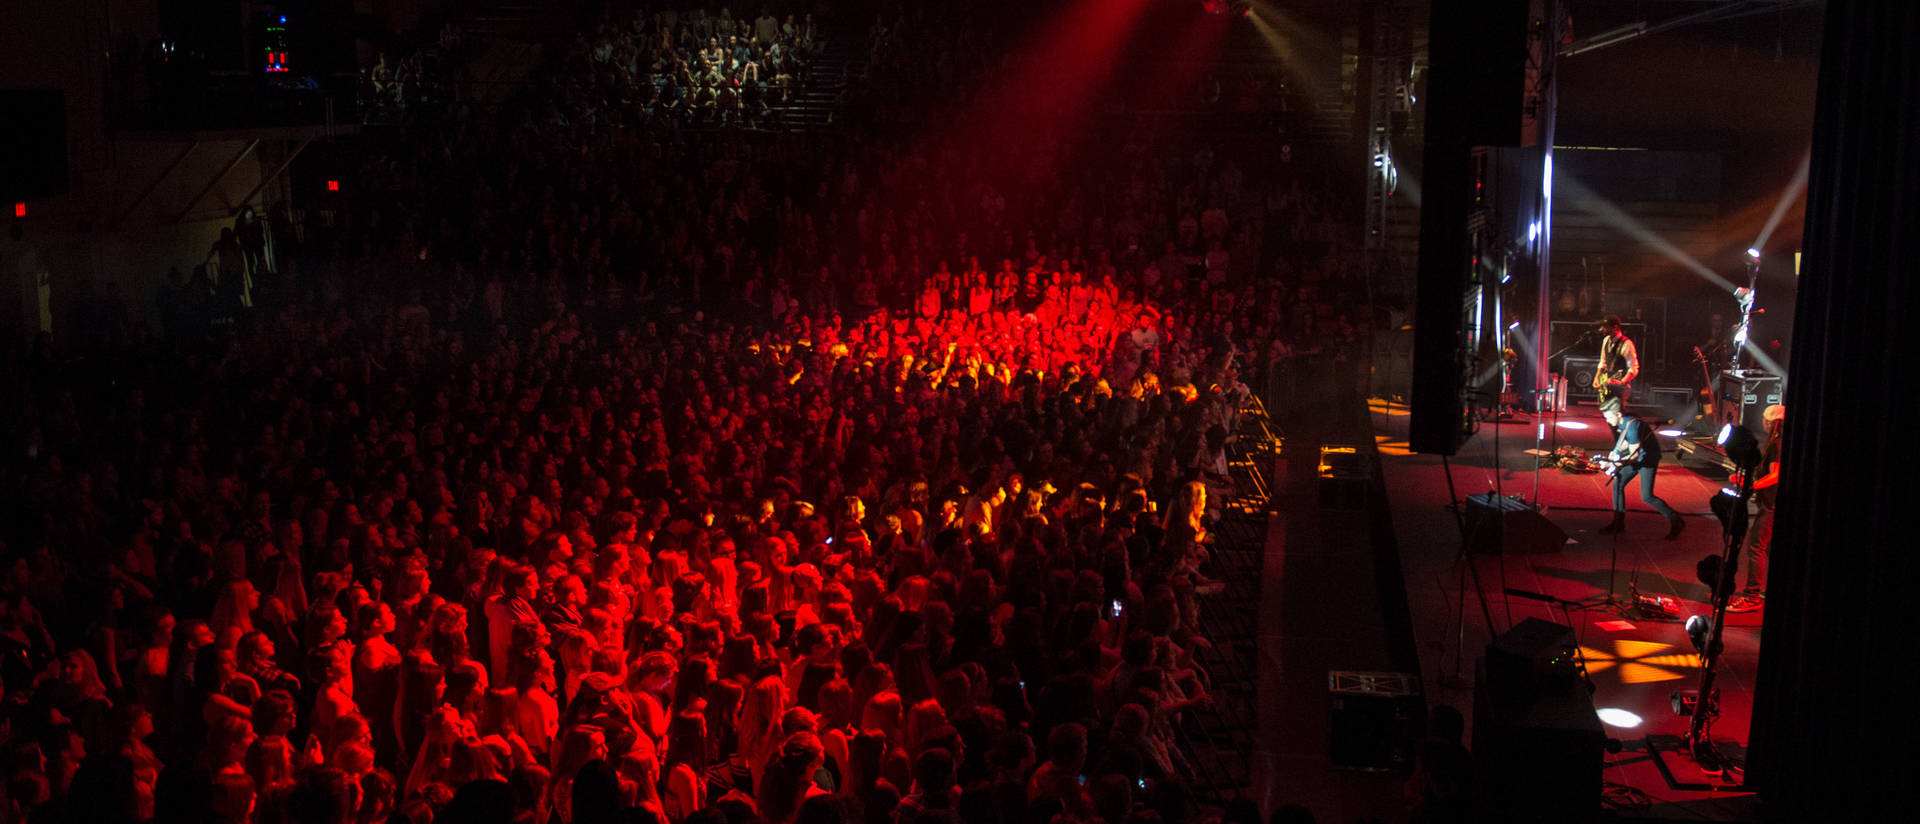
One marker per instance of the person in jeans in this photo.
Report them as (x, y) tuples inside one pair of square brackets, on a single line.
[(1760, 533), (1638, 452)]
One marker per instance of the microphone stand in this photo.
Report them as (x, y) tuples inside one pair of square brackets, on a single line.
[(1540, 426), (1540, 433), (1746, 313)]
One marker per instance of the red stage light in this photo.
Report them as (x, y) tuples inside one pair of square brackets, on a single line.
[(333, 185), (20, 209)]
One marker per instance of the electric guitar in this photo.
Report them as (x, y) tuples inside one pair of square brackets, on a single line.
[(1603, 383), (1611, 463)]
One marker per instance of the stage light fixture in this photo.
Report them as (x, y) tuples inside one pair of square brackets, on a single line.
[(1616, 717), (1516, 324), (1753, 253), (1699, 629), (1740, 444), (1717, 574), (20, 209), (1673, 433), (1723, 504)]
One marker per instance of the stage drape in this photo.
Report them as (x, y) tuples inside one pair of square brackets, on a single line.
[(1835, 715)]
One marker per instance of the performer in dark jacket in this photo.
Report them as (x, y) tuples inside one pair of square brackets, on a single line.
[(1637, 453)]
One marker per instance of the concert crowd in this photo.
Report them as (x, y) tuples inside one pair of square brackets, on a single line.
[(696, 67), (576, 469)]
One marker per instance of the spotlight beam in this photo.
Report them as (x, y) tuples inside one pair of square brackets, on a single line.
[(1291, 42), (1765, 362), (1795, 188), (1619, 219)]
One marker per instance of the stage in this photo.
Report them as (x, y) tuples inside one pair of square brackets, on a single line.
[(1635, 659)]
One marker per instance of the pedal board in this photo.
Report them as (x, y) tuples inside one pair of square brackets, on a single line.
[(1658, 606)]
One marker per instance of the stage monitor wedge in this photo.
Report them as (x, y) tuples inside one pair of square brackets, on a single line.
[(1504, 526)]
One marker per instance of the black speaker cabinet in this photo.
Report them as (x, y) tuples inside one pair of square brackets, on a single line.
[(1579, 371), (1538, 747), (1497, 66), (1377, 718), (1497, 526)]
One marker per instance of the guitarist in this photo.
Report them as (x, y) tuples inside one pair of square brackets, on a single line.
[(1619, 364), (1636, 453)]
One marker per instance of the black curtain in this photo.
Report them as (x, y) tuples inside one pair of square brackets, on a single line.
[(1835, 719)]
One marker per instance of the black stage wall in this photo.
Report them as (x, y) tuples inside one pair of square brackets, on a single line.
[(1834, 719)]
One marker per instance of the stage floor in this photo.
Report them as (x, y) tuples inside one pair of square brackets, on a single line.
[(1634, 661)]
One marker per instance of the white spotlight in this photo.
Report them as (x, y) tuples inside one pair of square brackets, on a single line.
[(1616, 717), (1572, 424), (1673, 433), (1753, 253)]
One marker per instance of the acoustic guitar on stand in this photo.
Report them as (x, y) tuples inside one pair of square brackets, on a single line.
[(1706, 405)]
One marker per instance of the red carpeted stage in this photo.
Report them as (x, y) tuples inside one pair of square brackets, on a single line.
[(1635, 658)]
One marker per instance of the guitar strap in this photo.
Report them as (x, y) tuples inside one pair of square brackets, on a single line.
[(1620, 443)]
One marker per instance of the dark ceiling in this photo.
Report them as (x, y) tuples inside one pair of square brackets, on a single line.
[(1740, 88)]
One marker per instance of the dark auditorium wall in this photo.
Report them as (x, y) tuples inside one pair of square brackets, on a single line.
[(124, 220), (1834, 721)]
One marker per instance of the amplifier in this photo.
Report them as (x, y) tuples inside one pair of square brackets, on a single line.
[(1742, 397), (1345, 477), (1565, 333), (1533, 654), (1377, 717), (1579, 371), (1679, 404), (1540, 744)]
